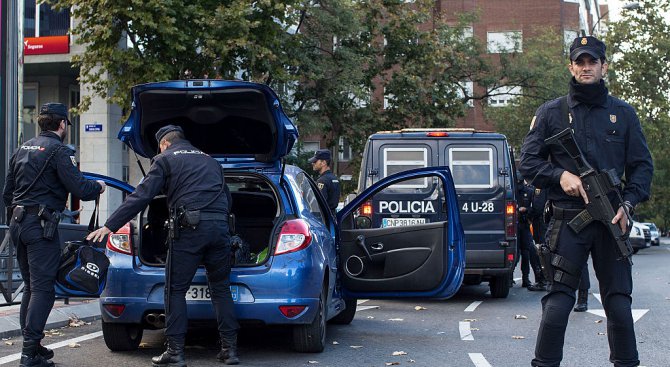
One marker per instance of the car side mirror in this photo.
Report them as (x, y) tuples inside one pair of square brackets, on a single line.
[(363, 222)]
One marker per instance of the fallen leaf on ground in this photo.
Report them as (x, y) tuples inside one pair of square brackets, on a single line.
[(520, 317), (599, 321), (312, 362), (441, 332), (518, 337), (371, 317), (470, 320), (356, 346), (474, 329), (419, 308), (601, 334), (74, 345), (143, 345), (392, 363), (399, 353), (335, 343), (411, 361), (75, 322), (9, 343), (396, 319)]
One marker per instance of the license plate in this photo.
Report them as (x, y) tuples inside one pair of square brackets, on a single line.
[(401, 222), (201, 293)]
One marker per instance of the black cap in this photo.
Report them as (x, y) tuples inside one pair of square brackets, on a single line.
[(320, 154), (589, 45), (53, 108), (167, 129)]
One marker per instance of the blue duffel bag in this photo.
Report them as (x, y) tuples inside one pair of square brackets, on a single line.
[(82, 271)]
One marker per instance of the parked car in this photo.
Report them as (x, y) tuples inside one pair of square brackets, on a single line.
[(655, 236), (303, 266), (640, 237)]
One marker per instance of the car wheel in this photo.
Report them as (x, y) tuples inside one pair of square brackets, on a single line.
[(347, 316), (122, 337), (311, 338), (499, 286)]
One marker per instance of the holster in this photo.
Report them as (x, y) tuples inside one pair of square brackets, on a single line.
[(173, 226), (545, 254), (50, 220), (555, 267), (17, 213), (188, 218)]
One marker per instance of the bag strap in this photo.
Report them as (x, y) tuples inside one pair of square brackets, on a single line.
[(565, 111), (39, 174), (93, 224)]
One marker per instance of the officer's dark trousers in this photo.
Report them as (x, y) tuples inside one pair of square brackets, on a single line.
[(38, 260), (528, 255), (616, 285), (584, 281), (209, 244)]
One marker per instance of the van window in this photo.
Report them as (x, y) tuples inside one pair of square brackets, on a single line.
[(471, 167), (403, 159)]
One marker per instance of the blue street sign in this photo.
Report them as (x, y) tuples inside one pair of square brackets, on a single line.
[(93, 127)]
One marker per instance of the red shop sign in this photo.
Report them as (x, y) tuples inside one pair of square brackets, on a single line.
[(46, 45)]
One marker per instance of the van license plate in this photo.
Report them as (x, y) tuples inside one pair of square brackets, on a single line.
[(401, 222), (201, 293)]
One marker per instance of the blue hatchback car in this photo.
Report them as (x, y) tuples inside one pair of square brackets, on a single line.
[(297, 264)]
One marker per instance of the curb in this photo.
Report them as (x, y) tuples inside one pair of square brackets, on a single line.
[(58, 318)]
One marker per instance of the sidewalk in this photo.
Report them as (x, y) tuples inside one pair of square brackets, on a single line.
[(83, 309)]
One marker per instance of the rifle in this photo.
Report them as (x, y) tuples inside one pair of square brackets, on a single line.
[(597, 186)]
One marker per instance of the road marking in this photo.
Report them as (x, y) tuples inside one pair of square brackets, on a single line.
[(464, 329), (17, 356), (473, 306), (637, 314), (479, 360)]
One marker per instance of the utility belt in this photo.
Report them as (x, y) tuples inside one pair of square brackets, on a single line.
[(50, 218), (183, 218), (554, 266)]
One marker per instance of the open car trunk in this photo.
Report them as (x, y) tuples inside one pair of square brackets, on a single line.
[(254, 215)]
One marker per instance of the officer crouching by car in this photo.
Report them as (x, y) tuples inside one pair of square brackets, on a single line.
[(41, 174), (195, 188)]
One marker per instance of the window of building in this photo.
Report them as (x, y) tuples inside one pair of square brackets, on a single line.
[(28, 127), (52, 22), (310, 146), (125, 174), (568, 37), (402, 159), (503, 42), (344, 150), (469, 90), (503, 95), (29, 11), (471, 167)]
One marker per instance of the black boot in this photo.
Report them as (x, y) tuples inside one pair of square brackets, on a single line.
[(228, 353), (45, 352), (582, 301), (538, 286), (525, 280), (173, 356), (30, 356)]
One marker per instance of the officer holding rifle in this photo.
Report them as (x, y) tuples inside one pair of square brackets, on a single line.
[(609, 137)]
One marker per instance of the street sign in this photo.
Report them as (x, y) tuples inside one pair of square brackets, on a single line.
[(93, 128)]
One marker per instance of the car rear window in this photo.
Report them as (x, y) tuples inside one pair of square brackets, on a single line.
[(471, 167), (403, 159)]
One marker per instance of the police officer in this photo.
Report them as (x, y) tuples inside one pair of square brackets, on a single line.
[(610, 135), (536, 217), (328, 183), (194, 184), (529, 258), (42, 172)]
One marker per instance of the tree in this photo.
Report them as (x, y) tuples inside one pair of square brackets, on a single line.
[(542, 75), (640, 43)]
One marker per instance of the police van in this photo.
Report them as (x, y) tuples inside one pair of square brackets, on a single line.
[(482, 165)]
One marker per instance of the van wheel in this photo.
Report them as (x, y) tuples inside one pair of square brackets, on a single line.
[(499, 286), (311, 338), (122, 337), (347, 316)]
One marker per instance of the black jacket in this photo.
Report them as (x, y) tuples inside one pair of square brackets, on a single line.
[(60, 177), (329, 186), (609, 135), (188, 176)]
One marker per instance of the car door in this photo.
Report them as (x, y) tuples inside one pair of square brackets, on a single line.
[(78, 231), (416, 258)]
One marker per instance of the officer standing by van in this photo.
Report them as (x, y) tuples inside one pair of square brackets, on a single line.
[(610, 135), (196, 194), (328, 183), (41, 174)]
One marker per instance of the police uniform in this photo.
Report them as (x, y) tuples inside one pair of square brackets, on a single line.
[(327, 182), (37, 207), (528, 258), (191, 179), (610, 135)]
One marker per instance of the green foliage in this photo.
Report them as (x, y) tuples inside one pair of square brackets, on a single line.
[(542, 73), (640, 45)]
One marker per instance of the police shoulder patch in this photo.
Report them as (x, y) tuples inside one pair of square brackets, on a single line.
[(74, 161), (320, 185)]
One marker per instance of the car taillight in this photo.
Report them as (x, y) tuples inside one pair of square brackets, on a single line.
[(291, 311), (119, 241), (510, 220), (437, 134), (294, 236), (114, 309)]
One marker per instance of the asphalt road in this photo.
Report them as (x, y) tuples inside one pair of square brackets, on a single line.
[(471, 329)]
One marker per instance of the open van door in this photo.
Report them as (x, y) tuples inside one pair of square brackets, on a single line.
[(407, 256)]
